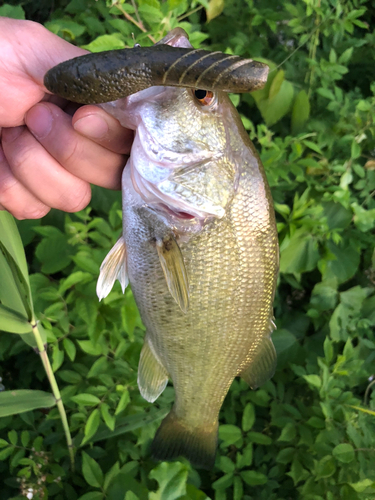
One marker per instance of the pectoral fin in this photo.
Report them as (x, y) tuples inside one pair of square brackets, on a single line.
[(112, 268), (262, 364), (173, 265), (152, 376)]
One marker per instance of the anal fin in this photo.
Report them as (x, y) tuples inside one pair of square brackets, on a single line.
[(113, 267), (152, 376), (262, 364), (173, 265)]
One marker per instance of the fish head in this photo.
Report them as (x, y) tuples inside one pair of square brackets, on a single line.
[(183, 160)]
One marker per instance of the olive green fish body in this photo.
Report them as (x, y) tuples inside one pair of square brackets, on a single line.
[(231, 263)]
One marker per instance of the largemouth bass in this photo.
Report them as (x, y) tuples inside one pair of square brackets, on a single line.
[(199, 248)]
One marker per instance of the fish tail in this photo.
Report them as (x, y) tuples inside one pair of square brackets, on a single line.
[(176, 438)]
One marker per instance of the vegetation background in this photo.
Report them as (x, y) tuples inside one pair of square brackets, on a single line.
[(309, 433)]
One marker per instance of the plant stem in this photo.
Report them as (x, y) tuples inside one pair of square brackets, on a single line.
[(54, 387), (132, 20)]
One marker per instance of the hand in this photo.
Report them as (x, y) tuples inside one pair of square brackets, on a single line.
[(48, 158)]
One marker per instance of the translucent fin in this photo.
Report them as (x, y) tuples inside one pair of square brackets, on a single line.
[(174, 269), (175, 438), (152, 376), (113, 267), (262, 365)]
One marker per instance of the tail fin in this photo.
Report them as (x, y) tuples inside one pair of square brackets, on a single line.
[(175, 438)]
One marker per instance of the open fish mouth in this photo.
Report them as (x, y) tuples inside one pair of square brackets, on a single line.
[(175, 199)]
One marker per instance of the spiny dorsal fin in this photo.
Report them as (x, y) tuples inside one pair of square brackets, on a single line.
[(263, 361), (173, 265), (152, 376), (113, 267)]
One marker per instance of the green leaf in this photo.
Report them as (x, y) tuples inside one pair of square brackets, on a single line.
[(259, 438), (288, 433), (21, 282), (109, 419), (313, 380), (344, 453), (13, 437), (300, 254), (229, 434), (248, 417), (85, 399), (274, 109), (91, 426), (106, 42), (276, 84), (130, 423), (3, 443), (14, 322), (300, 112), (171, 477), (346, 263), (111, 474), (6, 452), (297, 472), (12, 11), (316, 422), (92, 495), (361, 486), (11, 239), (123, 403), (223, 482), (91, 471), (326, 467), (79, 277), (53, 252), (88, 347), (70, 349), (253, 478), (14, 402), (215, 8)]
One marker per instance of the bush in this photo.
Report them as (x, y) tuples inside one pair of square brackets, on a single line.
[(309, 433)]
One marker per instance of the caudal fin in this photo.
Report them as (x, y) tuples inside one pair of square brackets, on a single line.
[(174, 438)]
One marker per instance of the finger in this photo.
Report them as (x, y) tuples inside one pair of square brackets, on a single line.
[(15, 198), (103, 128), (79, 155), (41, 174)]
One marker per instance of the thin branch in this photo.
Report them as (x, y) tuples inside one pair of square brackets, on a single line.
[(189, 13), (54, 387), (136, 23)]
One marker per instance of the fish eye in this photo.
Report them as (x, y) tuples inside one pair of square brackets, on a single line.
[(205, 97)]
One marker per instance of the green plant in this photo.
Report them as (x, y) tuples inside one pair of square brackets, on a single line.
[(309, 432)]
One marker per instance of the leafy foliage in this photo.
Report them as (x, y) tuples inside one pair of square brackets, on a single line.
[(309, 432)]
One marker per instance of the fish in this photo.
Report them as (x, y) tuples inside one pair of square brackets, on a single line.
[(199, 248)]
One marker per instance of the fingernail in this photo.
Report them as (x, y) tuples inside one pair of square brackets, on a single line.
[(39, 121), (92, 126), (11, 134)]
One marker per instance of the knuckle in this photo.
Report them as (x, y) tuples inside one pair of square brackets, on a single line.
[(20, 159), (72, 155)]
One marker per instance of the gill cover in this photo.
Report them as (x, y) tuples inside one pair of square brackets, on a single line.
[(108, 76)]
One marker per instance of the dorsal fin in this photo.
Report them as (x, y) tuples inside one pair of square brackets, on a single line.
[(113, 267), (173, 265)]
